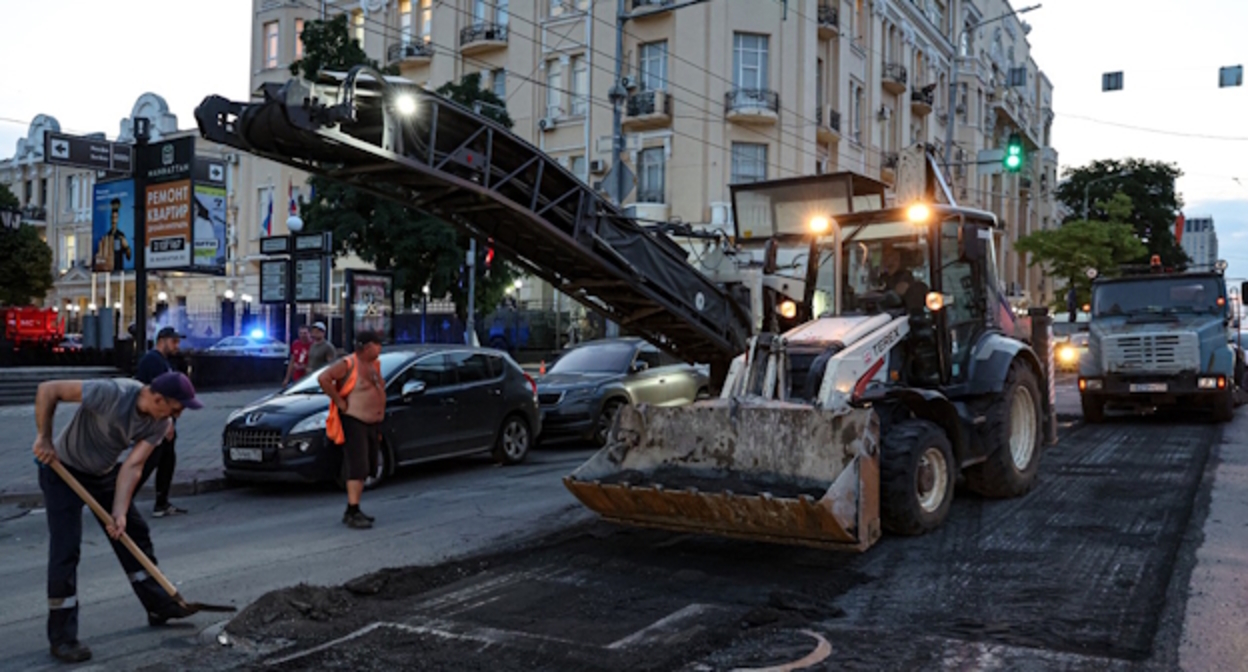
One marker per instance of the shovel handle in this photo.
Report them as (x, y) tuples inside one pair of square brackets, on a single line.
[(126, 541)]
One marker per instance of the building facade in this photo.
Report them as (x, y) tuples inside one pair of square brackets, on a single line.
[(730, 92), (1200, 241)]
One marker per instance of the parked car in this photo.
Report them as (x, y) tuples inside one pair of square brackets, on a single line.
[(1071, 350), (260, 346), (587, 385), (441, 401)]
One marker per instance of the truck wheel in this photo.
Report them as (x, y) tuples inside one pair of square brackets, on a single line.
[(916, 477), (1013, 434), (1093, 410), (1224, 407)]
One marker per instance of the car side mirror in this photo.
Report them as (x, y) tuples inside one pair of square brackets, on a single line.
[(413, 389), (639, 366), (972, 242)]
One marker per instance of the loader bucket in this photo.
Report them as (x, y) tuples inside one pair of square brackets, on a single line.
[(761, 470)]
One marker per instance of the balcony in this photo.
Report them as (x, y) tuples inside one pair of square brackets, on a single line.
[(33, 214), (888, 166), (648, 109), (828, 123), (923, 100), (895, 78), (482, 37), (752, 106), (829, 21), (414, 53), (644, 8)]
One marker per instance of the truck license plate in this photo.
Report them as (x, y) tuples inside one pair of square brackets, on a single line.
[(1148, 387), (245, 454)]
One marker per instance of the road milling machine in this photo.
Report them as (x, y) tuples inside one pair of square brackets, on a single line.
[(865, 354)]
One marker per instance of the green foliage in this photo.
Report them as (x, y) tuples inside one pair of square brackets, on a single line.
[(1068, 251), (8, 200), (25, 264), (419, 249), (1151, 188)]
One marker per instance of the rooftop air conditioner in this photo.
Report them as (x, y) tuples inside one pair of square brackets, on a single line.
[(546, 123)]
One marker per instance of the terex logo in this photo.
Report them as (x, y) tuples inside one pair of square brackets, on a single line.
[(887, 341)]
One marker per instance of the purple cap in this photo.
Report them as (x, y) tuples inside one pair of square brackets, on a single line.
[(176, 386)]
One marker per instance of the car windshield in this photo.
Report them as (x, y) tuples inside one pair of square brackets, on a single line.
[(1158, 296), (596, 358), (391, 362)]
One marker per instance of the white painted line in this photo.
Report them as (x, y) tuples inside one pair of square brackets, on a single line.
[(822, 650), (327, 645), (653, 630)]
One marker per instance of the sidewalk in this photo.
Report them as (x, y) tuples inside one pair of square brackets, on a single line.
[(199, 446)]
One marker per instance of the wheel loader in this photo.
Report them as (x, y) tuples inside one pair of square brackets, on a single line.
[(887, 364)]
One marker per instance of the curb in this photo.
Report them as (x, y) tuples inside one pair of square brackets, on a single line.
[(31, 500)]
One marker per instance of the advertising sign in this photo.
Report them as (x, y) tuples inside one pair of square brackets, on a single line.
[(370, 300), (210, 227), (169, 225), (274, 280), (310, 279), (169, 160), (112, 227)]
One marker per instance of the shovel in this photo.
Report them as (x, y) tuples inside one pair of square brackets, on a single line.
[(148, 565)]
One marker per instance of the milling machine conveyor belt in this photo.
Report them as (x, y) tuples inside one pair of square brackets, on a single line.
[(445, 161)]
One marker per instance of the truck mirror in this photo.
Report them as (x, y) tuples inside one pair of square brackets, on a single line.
[(973, 241)]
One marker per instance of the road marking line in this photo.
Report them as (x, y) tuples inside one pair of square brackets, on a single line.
[(665, 623), (822, 650)]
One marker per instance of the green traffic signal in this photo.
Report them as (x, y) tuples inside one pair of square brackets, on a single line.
[(1013, 160)]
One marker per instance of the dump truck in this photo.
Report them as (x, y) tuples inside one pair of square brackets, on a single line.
[(888, 363), (1162, 338)]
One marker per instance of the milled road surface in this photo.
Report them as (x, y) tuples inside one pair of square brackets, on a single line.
[(1090, 571)]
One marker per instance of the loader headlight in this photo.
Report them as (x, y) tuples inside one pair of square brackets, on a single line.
[(787, 310), (1067, 354), (820, 225), (919, 213), (935, 301)]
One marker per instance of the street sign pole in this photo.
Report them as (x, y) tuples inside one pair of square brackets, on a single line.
[(141, 135)]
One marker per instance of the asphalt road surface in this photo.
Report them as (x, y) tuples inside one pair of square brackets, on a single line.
[(498, 569)]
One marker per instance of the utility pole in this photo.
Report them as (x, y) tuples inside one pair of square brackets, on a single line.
[(953, 77), (471, 326), (618, 96), (142, 133)]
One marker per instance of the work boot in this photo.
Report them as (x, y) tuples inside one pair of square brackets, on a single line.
[(365, 516), (71, 652), (164, 615), (356, 521), (167, 510)]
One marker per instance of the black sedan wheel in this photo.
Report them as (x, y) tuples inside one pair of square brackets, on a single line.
[(606, 418), (513, 442)]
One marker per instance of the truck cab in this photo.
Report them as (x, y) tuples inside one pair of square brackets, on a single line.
[(1161, 338)]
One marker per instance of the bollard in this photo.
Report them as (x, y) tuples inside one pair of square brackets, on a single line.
[(1042, 343)]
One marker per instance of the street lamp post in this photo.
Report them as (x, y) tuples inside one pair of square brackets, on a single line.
[(953, 77)]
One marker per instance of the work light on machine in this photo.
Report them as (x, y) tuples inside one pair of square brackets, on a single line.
[(919, 213), (820, 224), (405, 104), (787, 310), (1220, 266)]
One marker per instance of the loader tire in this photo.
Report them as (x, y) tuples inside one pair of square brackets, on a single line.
[(916, 477), (1013, 434)]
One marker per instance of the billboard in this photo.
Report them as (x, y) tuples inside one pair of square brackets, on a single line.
[(209, 230), (169, 225), (112, 227), (370, 299)]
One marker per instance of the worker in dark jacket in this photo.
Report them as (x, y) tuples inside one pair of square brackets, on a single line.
[(163, 459)]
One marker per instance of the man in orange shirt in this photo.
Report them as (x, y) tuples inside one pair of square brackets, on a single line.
[(358, 395), (298, 367)]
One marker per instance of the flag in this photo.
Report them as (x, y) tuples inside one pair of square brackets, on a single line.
[(268, 217), (1179, 225), (294, 206)]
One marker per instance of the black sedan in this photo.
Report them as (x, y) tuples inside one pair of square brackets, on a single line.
[(587, 385), (442, 401)]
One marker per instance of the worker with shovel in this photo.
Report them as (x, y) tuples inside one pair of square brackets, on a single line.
[(113, 416)]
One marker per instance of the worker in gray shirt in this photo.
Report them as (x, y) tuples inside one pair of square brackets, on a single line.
[(322, 352), (114, 415)]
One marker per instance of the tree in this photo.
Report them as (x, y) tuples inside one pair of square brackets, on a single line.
[(1068, 251), (25, 260), (1151, 188), (421, 250)]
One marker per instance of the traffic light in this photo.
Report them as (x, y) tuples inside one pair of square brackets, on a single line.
[(1013, 160)]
